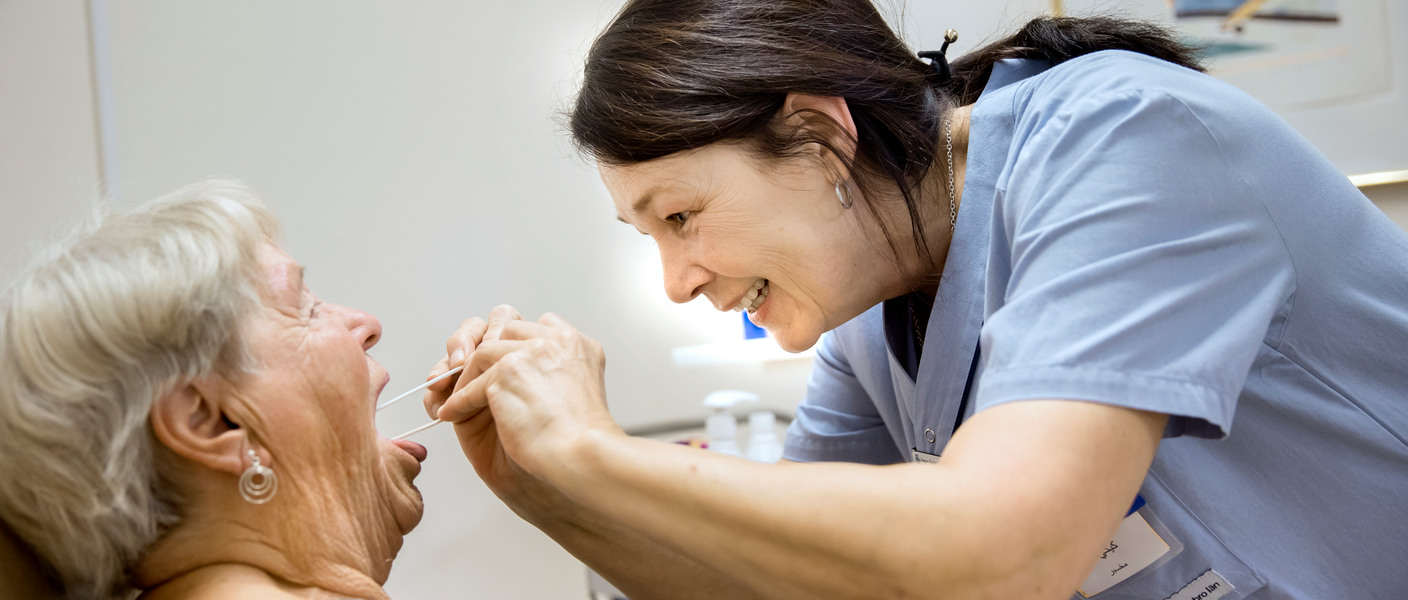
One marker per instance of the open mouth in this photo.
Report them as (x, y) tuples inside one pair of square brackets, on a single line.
[(754, 298)]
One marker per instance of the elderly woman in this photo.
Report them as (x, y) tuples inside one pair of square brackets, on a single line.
[(181, 415)]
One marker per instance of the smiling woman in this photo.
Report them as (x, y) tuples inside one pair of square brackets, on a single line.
[(181, 415), (1029, 266), (756, 239)]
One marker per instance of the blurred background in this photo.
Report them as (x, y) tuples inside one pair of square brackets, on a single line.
[(415, 156)]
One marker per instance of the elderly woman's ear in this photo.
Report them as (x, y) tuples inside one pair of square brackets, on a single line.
[(193, 423)]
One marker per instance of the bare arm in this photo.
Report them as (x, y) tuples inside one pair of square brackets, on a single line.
[(640, 567), (1023, 499)]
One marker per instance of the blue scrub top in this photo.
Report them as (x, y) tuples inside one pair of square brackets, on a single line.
[(1142, 235)]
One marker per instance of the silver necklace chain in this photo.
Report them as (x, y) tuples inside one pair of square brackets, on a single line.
[(952, 225), (952, 194)]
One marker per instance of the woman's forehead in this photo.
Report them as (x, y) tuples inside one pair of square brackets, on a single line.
[(283, 276), (633, 186)]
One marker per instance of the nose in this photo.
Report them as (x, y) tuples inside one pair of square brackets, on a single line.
[(684, 278), (362, 325)]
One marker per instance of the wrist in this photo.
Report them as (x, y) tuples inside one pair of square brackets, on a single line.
[(580, 463)]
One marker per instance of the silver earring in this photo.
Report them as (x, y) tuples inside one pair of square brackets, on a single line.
[(258, 484), (843, 193)]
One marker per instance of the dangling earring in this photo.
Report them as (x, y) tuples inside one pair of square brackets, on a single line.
[(843, 193), (258, 484)]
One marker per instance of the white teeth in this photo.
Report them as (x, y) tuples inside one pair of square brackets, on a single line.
[(755, 297)]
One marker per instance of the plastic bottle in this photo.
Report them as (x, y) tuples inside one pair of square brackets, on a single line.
[(721, 426), (763, 445)]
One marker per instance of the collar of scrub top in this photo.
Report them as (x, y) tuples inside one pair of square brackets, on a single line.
[(388, 403)]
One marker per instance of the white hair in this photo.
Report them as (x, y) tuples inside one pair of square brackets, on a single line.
[(133, 304)]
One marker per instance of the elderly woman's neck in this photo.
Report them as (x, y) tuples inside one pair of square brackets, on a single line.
[(207, 555)]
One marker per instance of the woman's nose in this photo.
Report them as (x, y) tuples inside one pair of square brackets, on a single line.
[(362, 325), (684, 279)]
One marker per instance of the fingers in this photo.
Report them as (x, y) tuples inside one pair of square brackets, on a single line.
[(524, 330), (470, 397), (501, 316), (498, 318), (552, 320), (464, 341), (568, 334), (438, 370), (505, 323)]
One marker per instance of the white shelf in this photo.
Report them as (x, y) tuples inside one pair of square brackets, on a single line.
[(754, 351)]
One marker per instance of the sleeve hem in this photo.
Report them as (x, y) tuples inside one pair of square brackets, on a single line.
[(1154, 393), (869, 450)]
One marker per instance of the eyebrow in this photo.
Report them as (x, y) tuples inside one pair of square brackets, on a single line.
[(298, 278), (641, 204)]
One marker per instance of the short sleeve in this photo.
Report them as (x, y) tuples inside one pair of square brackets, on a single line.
[(838, 420), (1140, 268)]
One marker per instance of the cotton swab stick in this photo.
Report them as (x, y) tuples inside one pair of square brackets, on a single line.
[(419, 429), (418, 388)]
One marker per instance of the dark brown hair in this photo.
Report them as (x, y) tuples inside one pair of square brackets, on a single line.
[(672, 75)]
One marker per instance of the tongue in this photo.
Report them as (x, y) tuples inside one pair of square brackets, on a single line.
[(416, 451)]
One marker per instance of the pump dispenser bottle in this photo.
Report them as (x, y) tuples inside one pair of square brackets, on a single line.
[(721, 426), (763, 445)]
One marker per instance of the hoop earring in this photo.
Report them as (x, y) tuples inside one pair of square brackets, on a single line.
[(258, 484), (843, 193)]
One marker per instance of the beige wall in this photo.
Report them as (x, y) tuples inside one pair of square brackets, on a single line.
[(49, 167), (1393, 199)]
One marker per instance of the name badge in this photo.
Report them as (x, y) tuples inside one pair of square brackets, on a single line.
[(923, 457), (1209, 586), (1136, 546)]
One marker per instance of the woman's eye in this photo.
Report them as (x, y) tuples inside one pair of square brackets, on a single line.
[(313, 311), (678, 218)]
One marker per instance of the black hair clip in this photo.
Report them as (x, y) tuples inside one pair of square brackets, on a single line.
[(939, 59)]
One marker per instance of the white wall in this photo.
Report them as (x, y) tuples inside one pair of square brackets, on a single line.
[(411, 152), (49, 166)]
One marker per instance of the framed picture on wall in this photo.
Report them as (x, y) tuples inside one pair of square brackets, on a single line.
[(1336, 69)]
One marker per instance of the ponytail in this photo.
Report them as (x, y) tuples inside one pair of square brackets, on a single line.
[(1059, 39)]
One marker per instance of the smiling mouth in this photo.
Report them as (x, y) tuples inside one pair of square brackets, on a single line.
[(754, 298)]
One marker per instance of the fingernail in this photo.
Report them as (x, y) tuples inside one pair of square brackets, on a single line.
[(436, 372), (456, 357)]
